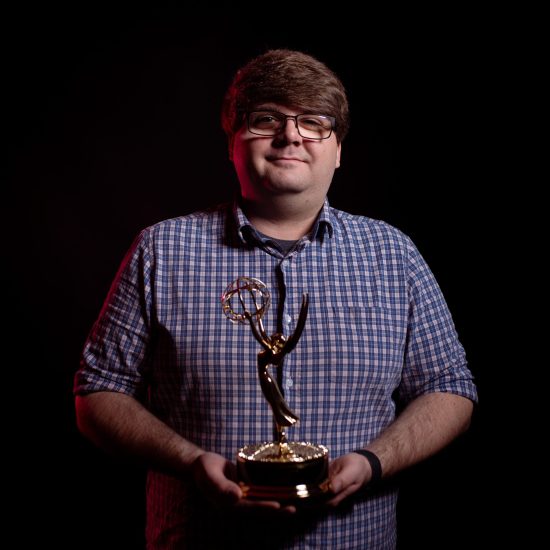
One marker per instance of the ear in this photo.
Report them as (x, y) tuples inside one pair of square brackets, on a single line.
[(338, 154)]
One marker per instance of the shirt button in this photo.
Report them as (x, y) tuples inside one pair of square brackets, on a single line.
[(288, 383), (287, 319)]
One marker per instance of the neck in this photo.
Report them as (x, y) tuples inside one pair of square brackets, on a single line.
[(281, 219)]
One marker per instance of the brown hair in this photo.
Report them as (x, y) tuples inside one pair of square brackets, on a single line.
[(288, 77)]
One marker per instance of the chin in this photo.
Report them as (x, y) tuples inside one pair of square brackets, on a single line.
[(281, 187), (290, 182)]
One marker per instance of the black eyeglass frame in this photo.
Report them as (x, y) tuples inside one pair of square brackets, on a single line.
[(284, 118)]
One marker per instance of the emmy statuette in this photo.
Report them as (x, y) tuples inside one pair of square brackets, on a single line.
[(282, 470)]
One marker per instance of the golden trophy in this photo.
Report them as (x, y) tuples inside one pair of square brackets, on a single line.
[(286, 471)]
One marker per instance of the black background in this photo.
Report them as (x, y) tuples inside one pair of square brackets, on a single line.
[(112, 122)]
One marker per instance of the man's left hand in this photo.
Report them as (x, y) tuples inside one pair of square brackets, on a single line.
[(347, 474)]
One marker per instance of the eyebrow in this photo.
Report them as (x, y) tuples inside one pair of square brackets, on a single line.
[(271, 107)]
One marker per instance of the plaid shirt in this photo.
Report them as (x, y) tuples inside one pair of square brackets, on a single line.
[(378, 333)]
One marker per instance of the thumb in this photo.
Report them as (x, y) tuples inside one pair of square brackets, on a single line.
[(337, 476), (227, 489), (217, 471)]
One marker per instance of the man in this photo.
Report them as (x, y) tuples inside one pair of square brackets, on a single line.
[(166, 378)]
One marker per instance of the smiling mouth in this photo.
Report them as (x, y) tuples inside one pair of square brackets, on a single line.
[(274, 159)]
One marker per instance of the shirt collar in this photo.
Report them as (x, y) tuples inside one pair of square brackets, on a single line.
[(248, 234)]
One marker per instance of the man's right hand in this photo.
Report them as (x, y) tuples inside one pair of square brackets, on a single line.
[(216, 478)]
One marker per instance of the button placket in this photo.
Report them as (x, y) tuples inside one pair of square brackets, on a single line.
[(287, 381)]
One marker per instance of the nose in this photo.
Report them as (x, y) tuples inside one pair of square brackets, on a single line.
[(289, 131)]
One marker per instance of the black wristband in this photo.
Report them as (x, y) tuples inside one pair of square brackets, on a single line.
[(375, 465)]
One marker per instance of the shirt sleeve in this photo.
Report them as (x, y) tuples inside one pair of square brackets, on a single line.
[(115, 355), (434, 360)]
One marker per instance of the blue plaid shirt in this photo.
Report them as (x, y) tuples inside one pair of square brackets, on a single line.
[(378, 333)]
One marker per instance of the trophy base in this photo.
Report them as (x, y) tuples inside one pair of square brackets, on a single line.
[(287, 472)]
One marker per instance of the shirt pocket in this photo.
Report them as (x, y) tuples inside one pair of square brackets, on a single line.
[(366, 347)]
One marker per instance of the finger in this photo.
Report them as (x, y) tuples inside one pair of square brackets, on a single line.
[(347, 471), (289, 509), (340, 475), (265, 508), (229, 491), (225, 485), (335, 467), (341, 482), (264, 504), (211, 476), (267, 504), (336, 485), (342, 494)]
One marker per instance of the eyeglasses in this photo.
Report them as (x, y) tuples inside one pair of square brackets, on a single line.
[(271, 123)]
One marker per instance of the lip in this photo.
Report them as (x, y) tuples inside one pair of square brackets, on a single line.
[(275, 159)]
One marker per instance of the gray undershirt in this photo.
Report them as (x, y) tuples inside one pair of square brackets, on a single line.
[(284, 245)]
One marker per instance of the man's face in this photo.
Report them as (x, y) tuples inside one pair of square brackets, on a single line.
[(286, 163)]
